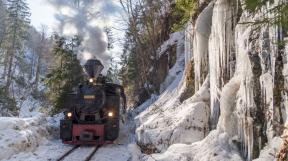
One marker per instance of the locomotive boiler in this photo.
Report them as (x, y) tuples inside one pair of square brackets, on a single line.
[(93, 110)]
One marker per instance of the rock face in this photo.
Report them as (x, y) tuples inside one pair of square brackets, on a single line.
[(256, 109), (240, 74), (163, 123)]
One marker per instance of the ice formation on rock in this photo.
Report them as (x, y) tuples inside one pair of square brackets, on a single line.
[(200, 45), (221, 52), (247, 84)]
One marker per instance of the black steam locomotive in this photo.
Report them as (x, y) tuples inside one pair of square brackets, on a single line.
[(93, 110)]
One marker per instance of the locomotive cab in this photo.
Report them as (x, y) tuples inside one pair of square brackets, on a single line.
[(94, 110)]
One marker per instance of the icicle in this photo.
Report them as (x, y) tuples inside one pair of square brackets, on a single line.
[(245, 121), (200, 45), (189, 32), (220, 48)]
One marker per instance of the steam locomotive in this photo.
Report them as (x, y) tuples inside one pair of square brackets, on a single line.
[(93, 110)]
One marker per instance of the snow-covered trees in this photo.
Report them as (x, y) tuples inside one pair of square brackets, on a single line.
[(39, 46), (144, 34), (3, 15), (22, 49), (16, 31)]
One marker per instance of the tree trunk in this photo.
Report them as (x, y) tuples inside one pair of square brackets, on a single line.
[(5, 65), (37, 77), (9, 73)]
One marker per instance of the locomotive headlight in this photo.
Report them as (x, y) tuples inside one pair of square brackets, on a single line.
[(110, 114), (69, 114), (91, 80)]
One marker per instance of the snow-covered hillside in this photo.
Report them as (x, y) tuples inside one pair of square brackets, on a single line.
[(24, 101)]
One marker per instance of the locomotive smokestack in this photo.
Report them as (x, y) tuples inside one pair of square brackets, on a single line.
[(93, 68)]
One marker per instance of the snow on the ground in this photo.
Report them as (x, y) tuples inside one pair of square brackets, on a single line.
[(46, 147), (215, 147), (47, 151), (21, 135), (269, 152), (29, 106), (112, 152)]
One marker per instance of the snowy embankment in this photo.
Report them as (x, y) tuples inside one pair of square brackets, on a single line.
[(21, 135), (37, 140), (29, 138), (169, 121)]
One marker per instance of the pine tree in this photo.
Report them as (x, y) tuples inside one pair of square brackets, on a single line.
[(42, 48), (3, 15), (68, 72), (17, 25), (113, 72), (275, 15)]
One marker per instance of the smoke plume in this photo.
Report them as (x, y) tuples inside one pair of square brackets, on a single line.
[(86, 18)]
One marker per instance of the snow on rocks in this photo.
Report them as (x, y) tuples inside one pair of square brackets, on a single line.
[(215, 147), (18, 134), (29, 106), (174, 39), (269, 152), (168, 121), (227, 120), (175, 73)]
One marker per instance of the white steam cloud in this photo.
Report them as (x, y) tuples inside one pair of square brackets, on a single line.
[(86, 18)]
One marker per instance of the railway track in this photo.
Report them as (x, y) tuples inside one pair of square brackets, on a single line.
[(70, 152)]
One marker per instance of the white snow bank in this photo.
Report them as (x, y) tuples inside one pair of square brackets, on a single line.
[(173, 88), (227, 119), (269, 152), (173, 40), (18, 134), (112, 153), (168, 121), (47, 151), (179, 65), (29, 107), (53, 125), (123, 150), (215, 147)]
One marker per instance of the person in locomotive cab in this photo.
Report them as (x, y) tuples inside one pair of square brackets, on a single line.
[(94, 117)]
